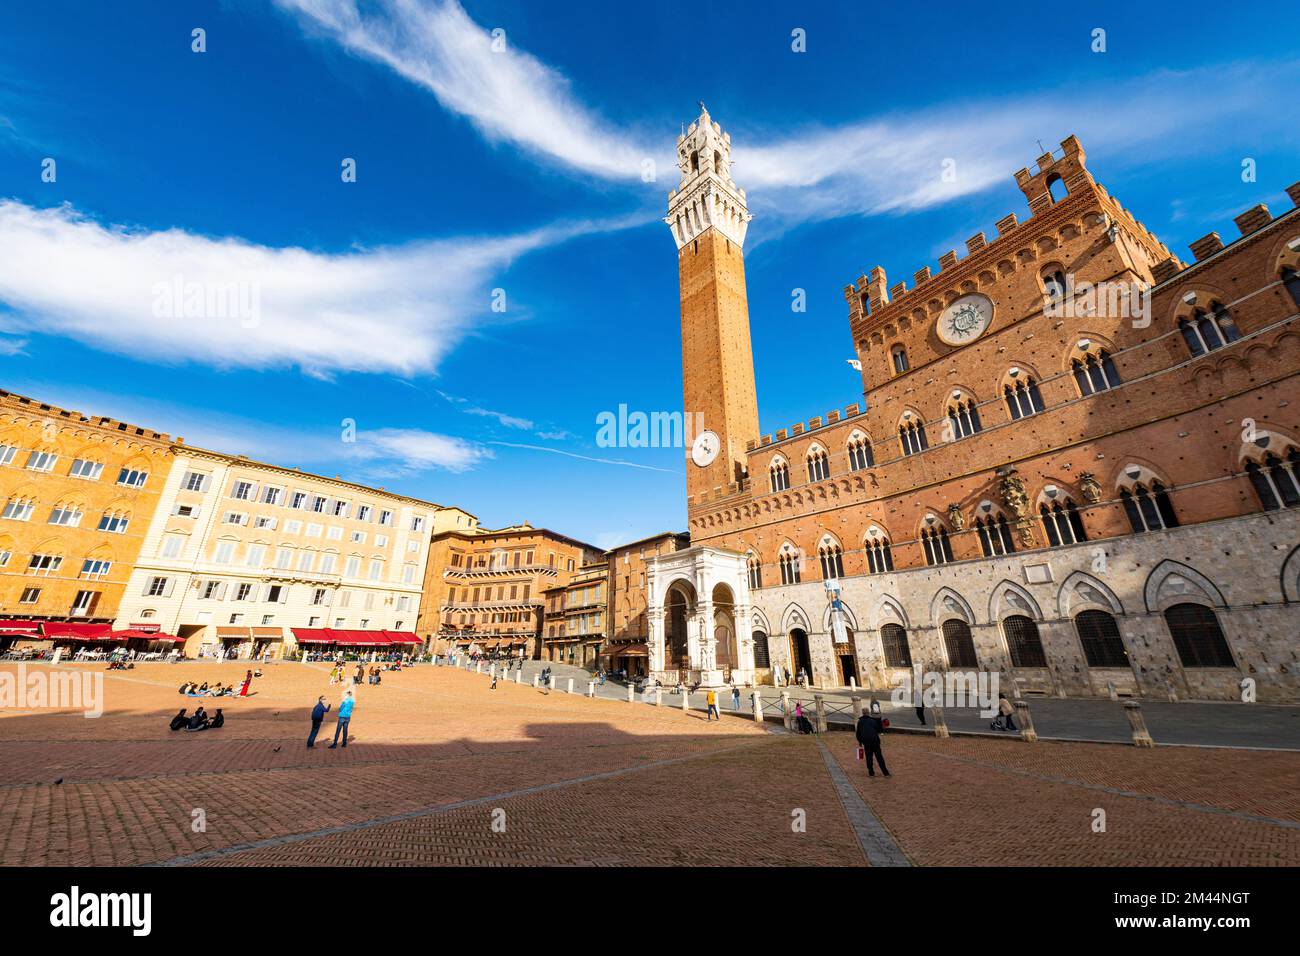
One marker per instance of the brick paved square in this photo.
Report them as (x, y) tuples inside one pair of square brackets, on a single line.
[(444, 771)]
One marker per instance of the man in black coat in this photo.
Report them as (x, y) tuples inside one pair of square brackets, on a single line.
[(868, 734), (317, 715)]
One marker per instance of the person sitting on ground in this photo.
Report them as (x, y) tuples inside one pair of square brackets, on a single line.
[(185, 688), (199, 721), (180, 720), (218, 721), (203, 688)]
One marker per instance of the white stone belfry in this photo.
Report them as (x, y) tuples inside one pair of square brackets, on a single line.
[(707, 196), (700, 618)]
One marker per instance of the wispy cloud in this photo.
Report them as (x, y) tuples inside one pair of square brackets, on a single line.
[(865, 165), (570, 454), (509, 421), (417, 450), (507, 93), (175, 296)]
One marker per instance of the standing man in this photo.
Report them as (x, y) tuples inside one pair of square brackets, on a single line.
[(868, 734), (317, 715), (711, 698), (735, 697), (345, 717)]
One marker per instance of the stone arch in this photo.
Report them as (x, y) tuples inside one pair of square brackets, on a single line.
[(1081, 591), (887, 610), (793, 617), (759, 620), (850, 619), (1172, 582), (946, 604), (1291, 576), (1010, 598)]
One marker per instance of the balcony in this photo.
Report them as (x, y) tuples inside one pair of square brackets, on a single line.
[(527, 569)]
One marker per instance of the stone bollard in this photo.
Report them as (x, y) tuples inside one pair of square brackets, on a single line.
[(478, 667), (519, 677), (856, 701), (1111, 689), (820, 706), (570, 685), (757, 700), (787, 715), (1137, 723), (659, 696), (1027, 732), (550, 682), (853, 683), (1169, 689), (940, 723), (535, 676), (591, 688), (686, 700), (631, 693)]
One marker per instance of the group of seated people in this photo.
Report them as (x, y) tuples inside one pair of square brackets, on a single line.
[(203, 690), (199, 720), (121, 665)]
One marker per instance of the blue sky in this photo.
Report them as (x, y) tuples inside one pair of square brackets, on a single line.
[(520, 170)]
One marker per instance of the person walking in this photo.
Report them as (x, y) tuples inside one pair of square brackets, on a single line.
[(711, 699), (317, 715), (868, 734), (735, 697), (1005, 711), (345, 718), (243, 689)]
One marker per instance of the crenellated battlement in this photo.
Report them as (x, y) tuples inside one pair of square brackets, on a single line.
[(1052, 187)]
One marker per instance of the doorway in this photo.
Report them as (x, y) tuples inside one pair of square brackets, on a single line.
[(800, 654), (848, 668)]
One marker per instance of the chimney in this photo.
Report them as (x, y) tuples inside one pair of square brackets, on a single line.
[(1256, 217), (1206, 246)]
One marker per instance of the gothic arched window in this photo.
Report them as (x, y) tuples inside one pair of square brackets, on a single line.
[(755, 572), (819, 467), (1054, 284), (937, 548), (964, 417), (911, 436), (1023, 642), (860, 453), (1095, 372), (779, 473), (1148, 509), (1099, 636), (1198, 636), (893, 638), (1276, 481), (789, 567), (1292, 282), (1208, 330), (1062, 522), (995, 535), (898, 355), (879, 557), (832, 560), (1022, 397), (959, 644)]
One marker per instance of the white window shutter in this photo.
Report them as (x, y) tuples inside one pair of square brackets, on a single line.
[(167, 590)]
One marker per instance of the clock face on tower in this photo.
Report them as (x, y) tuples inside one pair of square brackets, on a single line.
[(705, 448), (965, 320)]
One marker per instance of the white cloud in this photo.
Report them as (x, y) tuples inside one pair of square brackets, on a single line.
[(159, 295), (418, 450), (509, 421), (883, 164), (508, 95)]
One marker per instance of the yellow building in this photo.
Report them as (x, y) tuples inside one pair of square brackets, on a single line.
[(78, 494)]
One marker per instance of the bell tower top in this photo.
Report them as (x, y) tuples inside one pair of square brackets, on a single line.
[(707, 197)]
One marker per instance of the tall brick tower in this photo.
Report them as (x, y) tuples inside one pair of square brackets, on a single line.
[(708, 219)]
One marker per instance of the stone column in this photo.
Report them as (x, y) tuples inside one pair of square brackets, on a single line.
[(1027, 732), (787, 714), (1137, 724), (570, 685), (757, 700), (591, 688), (631, 693), (856, 701), (659, 696), (820, 703), (655, 617), (686, 701), (940, 723), (743, 668)]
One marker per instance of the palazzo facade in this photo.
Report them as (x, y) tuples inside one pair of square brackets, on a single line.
[(1075, 459)]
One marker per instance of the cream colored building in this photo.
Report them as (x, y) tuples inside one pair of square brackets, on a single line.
[(240, 552)]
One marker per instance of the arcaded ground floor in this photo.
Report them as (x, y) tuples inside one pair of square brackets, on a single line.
[(443, 770)]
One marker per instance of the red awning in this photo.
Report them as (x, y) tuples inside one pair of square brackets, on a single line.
[(77, 632), (21, 628), (403, 637), (329, 635), (135, 634)]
